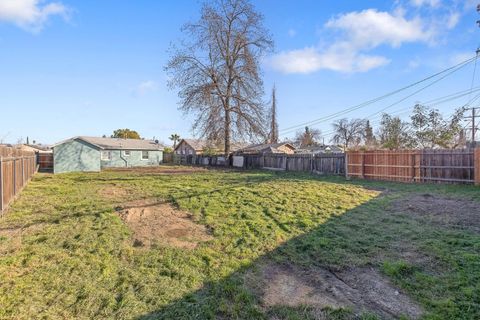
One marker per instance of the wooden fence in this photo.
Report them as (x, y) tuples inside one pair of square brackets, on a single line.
[(168, 157), (45, 161), (447, 166), (16, 169), (321, 163)]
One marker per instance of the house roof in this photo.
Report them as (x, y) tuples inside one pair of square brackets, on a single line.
[(196, 144), (266, 147), (200, 144), (320, 149), (117, 143), (37, 147)]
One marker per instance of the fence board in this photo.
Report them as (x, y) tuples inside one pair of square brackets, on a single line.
[(45, 161), (16, 169), (442, 166), (321, 163)]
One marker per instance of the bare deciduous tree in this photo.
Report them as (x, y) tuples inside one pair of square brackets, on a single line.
[(348, 132), (217, 70), (308, 138)]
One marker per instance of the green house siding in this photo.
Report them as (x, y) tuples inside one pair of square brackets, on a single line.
[(75, 155), (78, 155), (119, 159)]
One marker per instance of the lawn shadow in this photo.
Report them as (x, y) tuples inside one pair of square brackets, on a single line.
[(332, 270)]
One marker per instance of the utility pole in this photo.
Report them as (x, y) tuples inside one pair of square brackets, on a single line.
[(474, 128), (474, 116)]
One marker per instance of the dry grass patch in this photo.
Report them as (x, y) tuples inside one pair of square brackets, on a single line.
[(454, 213), (168, 170), (114, 192)]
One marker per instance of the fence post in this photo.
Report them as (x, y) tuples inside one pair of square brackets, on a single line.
[(1, 185), (476, 163), (413, 166), (363, 164), (23, 171), (346, 165), (14, 176)]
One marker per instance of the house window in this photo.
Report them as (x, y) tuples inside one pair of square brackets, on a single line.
[(144, 155), (126, 153), (106, 155)]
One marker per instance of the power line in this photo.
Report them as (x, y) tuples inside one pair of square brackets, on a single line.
[(366, 103), (419, 90), (451, 97), (408, 109)]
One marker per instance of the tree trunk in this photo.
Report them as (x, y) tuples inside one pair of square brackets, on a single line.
[(227, 132)]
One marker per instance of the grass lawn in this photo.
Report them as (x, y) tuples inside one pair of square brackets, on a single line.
[(66, 253)]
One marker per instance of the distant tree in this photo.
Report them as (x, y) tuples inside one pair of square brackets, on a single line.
[(217, 71), (167, 150), (348, 132), (210, 150), (125, 134), (370, 139), (174, 137), (461, 139), (395, 133), (308, 138), (273, 136), (28, 140), (431, 130)]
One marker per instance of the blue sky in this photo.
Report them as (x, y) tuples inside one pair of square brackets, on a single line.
[(71, 67)]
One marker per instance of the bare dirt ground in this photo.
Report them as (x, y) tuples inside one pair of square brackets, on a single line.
[(154, 222), (443, 211), (360, 289)]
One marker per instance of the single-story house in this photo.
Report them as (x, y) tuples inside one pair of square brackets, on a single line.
[(192, 146), (319, 149), (281, 147), (35, 148), (94, 154), (198, 146)]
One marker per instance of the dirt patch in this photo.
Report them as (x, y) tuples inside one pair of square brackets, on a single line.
[(448, 212), (360, 289), (156, 222)]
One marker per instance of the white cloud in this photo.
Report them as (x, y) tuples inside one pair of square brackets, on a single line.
[(145, 87), (310, 60), (431, 3), (414, 63), (30, 15), (371, 28), (452, 20), (359, 33)]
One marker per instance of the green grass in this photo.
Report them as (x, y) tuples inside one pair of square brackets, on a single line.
[(75, 259)]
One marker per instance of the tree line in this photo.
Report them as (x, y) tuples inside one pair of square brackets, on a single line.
[(427, 128)]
